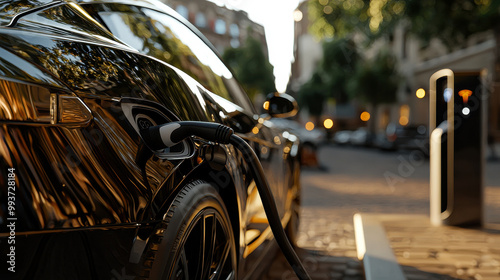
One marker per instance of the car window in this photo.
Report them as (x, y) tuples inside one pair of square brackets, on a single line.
[(164, 37), (63, 19)]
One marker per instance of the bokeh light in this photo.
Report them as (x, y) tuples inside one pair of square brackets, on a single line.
[(297, 15), (309, 126), (404, 115), (327, 10), (420, 93), (365, 116), (266, 105), (403, 120), (328, 123)]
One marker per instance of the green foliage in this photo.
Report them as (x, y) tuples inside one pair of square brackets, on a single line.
[(452, 21), (330, 77), (340, 58), (312, 95), (334, 18), (251, 67), (333, 76), (376, 81)]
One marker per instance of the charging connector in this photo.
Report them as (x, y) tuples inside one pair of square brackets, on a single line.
[(169, 134)]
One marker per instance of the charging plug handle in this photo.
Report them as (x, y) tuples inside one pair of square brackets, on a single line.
[(167, 135)]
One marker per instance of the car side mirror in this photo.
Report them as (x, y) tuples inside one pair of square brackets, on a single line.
[(280, 105)]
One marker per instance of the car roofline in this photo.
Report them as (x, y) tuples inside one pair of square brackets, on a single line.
[(159, 7)]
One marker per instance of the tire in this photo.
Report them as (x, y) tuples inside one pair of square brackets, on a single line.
[(198, 241)]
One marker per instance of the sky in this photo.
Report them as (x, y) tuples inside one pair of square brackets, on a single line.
[(277, 18)]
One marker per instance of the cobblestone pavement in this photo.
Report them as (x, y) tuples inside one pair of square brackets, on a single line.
[(327, 250), (371, 181), (444, 252)]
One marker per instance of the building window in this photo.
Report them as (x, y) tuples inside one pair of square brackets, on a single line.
[(183, 11), (220, 26), (200, 20), (235, 43), (234, 30)]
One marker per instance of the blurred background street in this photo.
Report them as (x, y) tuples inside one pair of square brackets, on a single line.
[(360, 72), (369, 181)]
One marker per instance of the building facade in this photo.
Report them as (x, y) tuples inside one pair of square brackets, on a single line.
[(223, 27)]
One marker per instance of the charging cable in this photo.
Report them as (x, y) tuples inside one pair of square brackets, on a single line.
[(169, 134)]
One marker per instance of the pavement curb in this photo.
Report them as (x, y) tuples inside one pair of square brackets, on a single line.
[(374, 250)]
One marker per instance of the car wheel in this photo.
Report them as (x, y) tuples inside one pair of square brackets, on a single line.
[(198, 239)]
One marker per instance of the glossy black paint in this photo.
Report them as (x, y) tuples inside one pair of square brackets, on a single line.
[(90, 197)]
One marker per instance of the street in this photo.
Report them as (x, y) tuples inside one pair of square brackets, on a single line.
[(362, 180)]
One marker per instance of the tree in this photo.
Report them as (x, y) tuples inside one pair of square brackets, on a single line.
[(452, 21), (251, 67), (331, 76), (331, 18), (375, 82), (312, 95), (340, 58)]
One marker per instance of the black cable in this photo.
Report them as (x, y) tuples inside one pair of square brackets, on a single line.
[(269, 205)]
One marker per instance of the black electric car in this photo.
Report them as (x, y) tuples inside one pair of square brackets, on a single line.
[(82, 194)]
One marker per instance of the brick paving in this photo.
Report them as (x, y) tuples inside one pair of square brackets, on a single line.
[(444, 252), (370, 181)]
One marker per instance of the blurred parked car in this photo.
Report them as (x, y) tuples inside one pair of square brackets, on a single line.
[(82, 194), (360, 137), (310, 140), (315, 137), (403, 137), (342, 137)]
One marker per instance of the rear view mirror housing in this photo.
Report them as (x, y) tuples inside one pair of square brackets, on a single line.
[(280, 105)]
